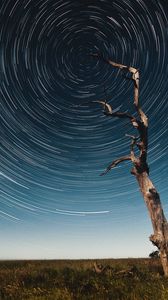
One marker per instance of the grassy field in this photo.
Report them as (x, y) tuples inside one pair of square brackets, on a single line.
[(122, 279)]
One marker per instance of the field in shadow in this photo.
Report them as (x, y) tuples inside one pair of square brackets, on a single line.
[(120, 279)]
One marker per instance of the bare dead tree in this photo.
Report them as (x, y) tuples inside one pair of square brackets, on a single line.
[(140, 167)]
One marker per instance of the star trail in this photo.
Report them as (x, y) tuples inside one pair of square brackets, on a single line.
[(55, 140)]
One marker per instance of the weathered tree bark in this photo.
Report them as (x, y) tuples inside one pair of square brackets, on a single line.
[(140, 166), (159, 222)]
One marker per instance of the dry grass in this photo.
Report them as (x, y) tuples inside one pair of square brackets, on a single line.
[(70, 280)]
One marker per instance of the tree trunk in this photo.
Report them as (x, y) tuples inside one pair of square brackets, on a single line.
[(159, 222)]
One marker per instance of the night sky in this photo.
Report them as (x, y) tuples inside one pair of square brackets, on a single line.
[(55, 141)]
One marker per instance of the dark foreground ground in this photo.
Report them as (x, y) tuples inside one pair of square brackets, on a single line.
[(121, 279)]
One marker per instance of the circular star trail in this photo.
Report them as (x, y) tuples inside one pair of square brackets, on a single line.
[(54, 140)]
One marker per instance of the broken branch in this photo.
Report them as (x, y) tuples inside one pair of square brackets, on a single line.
[(115, 163)]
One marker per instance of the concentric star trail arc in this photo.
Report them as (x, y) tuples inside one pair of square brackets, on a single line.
[(55, 140)]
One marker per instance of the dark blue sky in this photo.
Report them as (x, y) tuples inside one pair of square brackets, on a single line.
[(55, 142)]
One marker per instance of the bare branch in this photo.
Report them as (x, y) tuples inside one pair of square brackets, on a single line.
[(142, 124), (132, 136), (134, 139), (107, 107), (135, 78), (123, 115), (115, 163)]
